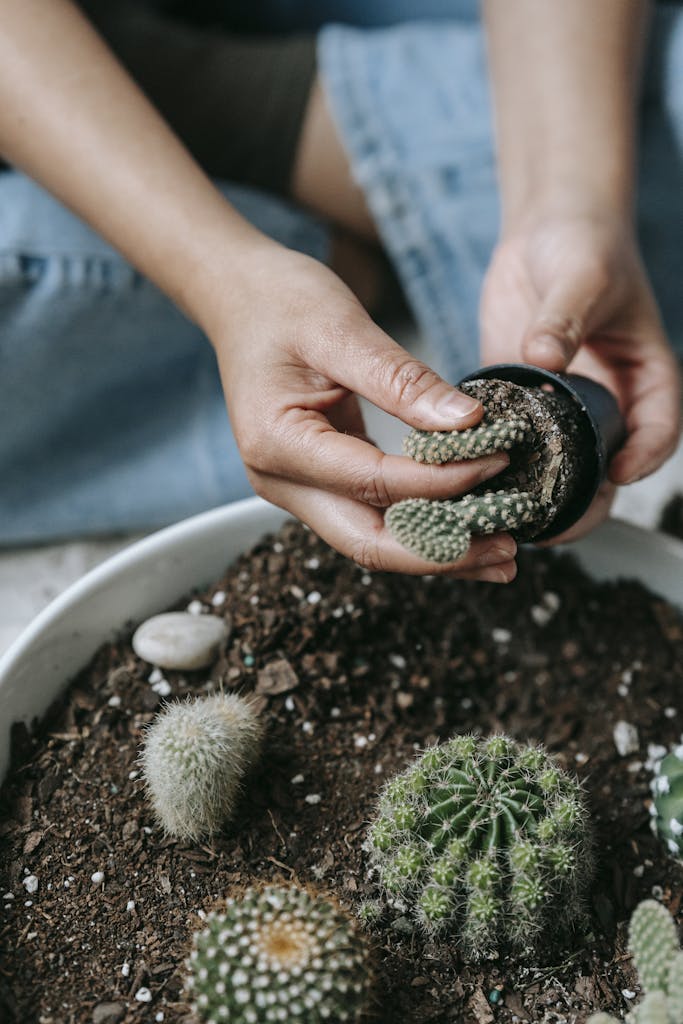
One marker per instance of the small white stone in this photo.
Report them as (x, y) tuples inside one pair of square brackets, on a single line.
[(296, 592), (628, 993), (130, 905), (179, 640), (501, 636), (540, 615), (625, 737), (125, 970), (366, 580), (639, 870), (670, 712), (581, 758), (30, 883), (397, 660), (195, 608), (307, 727), (254, 599), (337, 613), (133, 774), (289, 704), (115, 701), (155, 676), (278, 548), (335, 712), (622, 690), (218, 599), (360, 742), (313, 798), (97, 877), (143, 995), (297, 780), (163, 688), (8, 896), (312, 563), (551, 601), (314, 597), (160, 1016), (379, 768)]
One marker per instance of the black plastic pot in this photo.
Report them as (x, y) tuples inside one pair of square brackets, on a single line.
[(604, 430)]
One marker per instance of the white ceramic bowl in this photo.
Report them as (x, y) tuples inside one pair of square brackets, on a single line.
[(153, 573)]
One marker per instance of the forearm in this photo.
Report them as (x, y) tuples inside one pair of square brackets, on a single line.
[(565, 80), (72, 119)]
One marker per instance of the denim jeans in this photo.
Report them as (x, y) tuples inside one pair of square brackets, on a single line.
[(111, 413)]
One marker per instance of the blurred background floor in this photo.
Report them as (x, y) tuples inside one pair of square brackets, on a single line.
[(31, 577)]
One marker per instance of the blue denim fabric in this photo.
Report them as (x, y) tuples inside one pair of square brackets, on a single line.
[(413, 108), (111, 412)]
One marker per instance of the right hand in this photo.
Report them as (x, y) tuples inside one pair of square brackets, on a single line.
[(294, 350)]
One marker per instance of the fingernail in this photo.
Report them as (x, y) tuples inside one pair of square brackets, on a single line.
[(499, 553), (551, 348), (457, 406), (495, 576), (495, 464)]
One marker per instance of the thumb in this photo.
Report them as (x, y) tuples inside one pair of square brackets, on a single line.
[(565, 318), (371, 364)]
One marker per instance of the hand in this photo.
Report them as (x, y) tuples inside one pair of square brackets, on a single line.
[(294, 352), (571, 292)]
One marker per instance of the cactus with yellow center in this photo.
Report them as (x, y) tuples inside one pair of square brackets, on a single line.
[(487, 839), (280, 954)]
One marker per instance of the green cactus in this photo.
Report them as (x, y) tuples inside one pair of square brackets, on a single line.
[(667, 804), (487, 838), (438, 446), (195, 756), (653, 940), (280, 954), (441, 531)]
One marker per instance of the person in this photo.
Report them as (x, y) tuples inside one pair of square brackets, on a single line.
[(108, 394)]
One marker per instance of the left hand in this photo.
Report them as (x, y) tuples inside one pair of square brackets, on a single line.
[(571, 292)]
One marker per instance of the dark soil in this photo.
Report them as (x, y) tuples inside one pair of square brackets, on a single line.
[(354, 672), (549, 466)]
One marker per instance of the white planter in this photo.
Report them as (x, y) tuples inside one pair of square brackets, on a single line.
[(153, 573)]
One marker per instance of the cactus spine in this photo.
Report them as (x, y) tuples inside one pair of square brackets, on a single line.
[(441, 531), (280, 954), (195, 756), (653, 940), (487, 838), (667, 804)]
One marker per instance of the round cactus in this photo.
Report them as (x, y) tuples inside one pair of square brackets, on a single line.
[(487, 838), (195, 755), (280, 954), (441, 531), (667, 805), (439, 446)]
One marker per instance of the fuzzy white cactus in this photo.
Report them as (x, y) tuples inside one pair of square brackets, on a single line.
[(195, 756), (280, 954)]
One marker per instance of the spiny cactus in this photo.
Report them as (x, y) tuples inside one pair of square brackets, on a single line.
[(489, 436), (667, 804), (441, 531), (487, 838), (280, 954), (653, 940), (195, 755)]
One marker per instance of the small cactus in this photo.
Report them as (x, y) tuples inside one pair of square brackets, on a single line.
[(667, 804), (280, 954), (441, 531), (487, 838), (195, 755), (653, 940), (438, 446)]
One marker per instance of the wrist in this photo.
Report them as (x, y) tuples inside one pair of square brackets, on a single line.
[(557, 206)]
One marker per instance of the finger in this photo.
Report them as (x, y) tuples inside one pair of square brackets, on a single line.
[(368, 362), (653, 421), (358, 531), (309, 451), (565, 317), (505, 572), (597, 512)]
